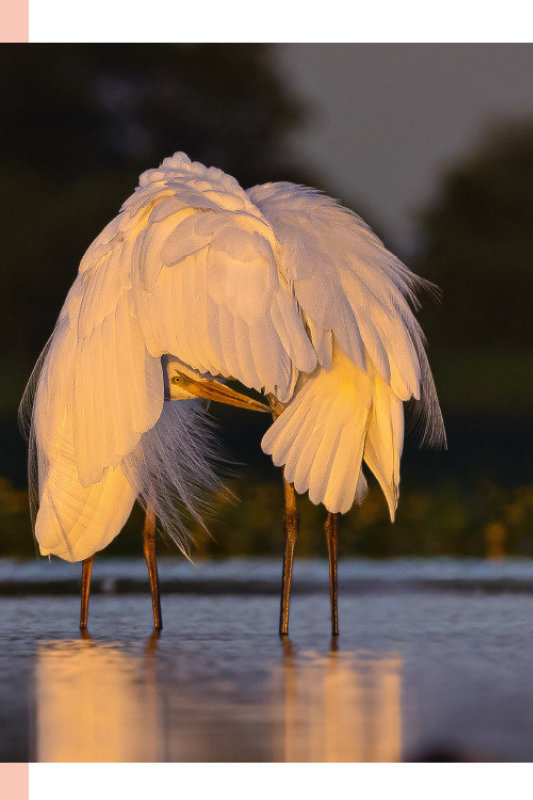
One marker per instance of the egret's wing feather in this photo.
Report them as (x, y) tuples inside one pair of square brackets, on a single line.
[(76, 521), (320, 436)]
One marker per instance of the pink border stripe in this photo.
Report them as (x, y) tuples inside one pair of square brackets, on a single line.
[(14, 21), (14, 781)]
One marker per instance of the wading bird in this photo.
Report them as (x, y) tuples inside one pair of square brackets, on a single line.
[(194, 282)]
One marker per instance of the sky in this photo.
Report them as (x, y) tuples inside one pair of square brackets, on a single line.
[(387, 120)]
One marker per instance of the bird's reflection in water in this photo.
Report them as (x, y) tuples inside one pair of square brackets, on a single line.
[(97, 702), (342, 706)]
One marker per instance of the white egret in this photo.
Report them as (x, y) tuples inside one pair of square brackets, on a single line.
[(278, 287)]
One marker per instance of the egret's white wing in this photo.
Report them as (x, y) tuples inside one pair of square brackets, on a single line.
[(356, 298), (351, 287), (74, 520), (168, 464), (188, 267), (98, 379)]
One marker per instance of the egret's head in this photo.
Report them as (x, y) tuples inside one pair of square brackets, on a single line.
[(186, 384)]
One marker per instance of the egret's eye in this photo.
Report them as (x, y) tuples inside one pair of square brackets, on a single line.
[(176, 379)]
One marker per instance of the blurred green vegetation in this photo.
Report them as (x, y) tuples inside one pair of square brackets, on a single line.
[(80, 123), (488, 521)]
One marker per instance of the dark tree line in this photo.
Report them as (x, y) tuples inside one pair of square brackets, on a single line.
[(78, 123), (479, 245)]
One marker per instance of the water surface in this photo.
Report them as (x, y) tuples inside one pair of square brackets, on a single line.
[(435, 660)]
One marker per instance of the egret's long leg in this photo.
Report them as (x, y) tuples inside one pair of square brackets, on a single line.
[(291, 525), (151, 562), (331, 538), (86, 572)]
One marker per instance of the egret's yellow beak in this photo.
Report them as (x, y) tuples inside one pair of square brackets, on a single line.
[(219, 393)]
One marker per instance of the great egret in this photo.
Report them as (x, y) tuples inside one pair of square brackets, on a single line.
[(278, 287)]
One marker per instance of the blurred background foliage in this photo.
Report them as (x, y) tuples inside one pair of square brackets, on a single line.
[(77, 126)]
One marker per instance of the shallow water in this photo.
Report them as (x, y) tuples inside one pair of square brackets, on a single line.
[(435, 660)]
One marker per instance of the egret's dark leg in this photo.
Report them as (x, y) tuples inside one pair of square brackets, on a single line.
[(151, 561), (331, 538), (86, 572), (291, 524)]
